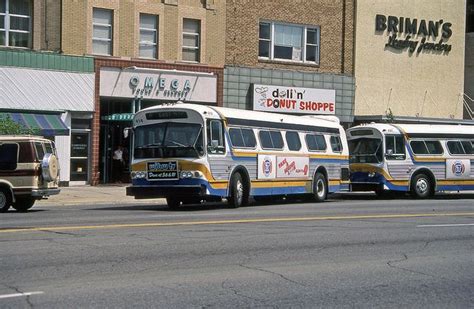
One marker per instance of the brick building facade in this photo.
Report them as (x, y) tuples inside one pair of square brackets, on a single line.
[(292, 45), (166, 40)]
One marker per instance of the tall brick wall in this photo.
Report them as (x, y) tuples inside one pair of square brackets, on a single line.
[(46, 25), (77, 27), (335, 18)]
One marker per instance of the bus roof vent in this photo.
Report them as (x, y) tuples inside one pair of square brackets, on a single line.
[(324, 117)]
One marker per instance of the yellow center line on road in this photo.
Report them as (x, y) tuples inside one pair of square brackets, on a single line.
[(233, 221)]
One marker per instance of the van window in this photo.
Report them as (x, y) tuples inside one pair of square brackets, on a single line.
[(315, 142), (336, 144), (39, 151), (215, 137), (426, 147), (293, 140), (394, 147), (8, 156), (460, 147), (270, 139)]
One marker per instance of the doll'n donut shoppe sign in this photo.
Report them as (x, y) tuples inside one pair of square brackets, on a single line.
[(294, 100)]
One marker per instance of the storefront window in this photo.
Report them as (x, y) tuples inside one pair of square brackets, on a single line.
[(102, 32), (148, 36), (288, 42), (15, 23), (191, 40)]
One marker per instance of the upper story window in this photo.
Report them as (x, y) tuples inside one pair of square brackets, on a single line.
[(102, 32), (288, 42), (148, 36), (15, 23), (191, 40)]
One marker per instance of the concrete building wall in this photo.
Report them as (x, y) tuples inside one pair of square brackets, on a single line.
[(333, 16), (469, 75), (46, 25), (77, 27), (428, 83)]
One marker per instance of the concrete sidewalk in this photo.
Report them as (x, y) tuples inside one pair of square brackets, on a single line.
[(95, 195)]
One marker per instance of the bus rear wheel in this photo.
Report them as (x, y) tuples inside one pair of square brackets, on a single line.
[(320, 187), (239, 192), (421, 186)]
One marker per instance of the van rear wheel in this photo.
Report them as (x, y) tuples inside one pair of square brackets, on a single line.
[(22, 204), (5, 200)]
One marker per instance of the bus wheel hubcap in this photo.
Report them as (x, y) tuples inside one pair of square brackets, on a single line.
[(240, 191), (320, 188), (422, 185)]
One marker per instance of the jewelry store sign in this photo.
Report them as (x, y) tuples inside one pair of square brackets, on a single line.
[(294, 100), (158, 85)]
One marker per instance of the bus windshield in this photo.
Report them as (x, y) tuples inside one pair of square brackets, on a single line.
[(168, 139), (365, 150)]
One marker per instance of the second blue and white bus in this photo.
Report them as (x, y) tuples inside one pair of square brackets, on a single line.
[(187, 153), (417, 158)]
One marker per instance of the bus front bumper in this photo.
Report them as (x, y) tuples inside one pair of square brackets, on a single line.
[(144, 192)]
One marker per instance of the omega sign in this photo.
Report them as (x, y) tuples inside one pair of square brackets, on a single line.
[(294, 100), (153, 84), (417, 34)]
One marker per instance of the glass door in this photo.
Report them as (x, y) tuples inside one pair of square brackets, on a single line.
[(79, 156)]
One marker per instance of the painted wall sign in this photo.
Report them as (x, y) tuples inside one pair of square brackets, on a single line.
[(294, 100), (414, 34), (161, 85), (458, 169), (292, 167)]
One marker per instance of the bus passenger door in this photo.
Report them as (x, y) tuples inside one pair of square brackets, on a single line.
[(216, 150), (398, 166)]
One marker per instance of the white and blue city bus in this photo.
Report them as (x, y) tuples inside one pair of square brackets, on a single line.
[(417, 158), (187, 153)]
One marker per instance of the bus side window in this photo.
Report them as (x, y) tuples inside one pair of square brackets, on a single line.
[(394, 147), (336, 144), (215, 137)]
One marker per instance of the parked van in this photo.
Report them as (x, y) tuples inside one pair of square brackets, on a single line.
[(29, 171)]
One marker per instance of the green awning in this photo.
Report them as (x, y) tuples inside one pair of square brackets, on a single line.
[(45, 124), (118, 117)]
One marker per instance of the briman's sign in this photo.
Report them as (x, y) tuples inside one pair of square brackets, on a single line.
[(294, 100), (418, 33)]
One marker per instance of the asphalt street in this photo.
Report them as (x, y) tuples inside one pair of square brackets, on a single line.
[(351, 251)]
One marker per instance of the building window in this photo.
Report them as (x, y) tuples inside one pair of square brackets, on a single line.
[(15, 23), (288, 42), (102, 32), (148, 36), (191, 40)]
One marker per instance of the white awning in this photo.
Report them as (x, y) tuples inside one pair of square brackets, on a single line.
[(32, 89)]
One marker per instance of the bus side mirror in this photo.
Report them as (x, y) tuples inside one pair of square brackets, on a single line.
[(126, 132)]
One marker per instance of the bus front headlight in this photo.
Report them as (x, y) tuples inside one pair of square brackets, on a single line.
[(138, 175)]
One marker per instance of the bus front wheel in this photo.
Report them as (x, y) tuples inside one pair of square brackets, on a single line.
[(173, 202), (239, 193), (320, 187), (421, 186)]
